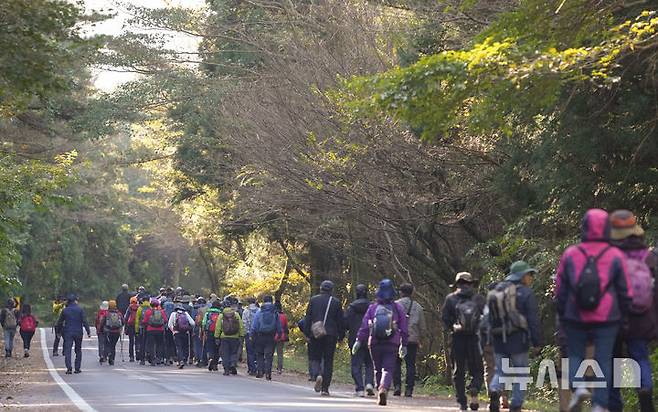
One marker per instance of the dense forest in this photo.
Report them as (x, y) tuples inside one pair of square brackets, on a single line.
[(304, 140)]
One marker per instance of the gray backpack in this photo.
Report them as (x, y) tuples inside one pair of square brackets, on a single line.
[(503, 312)]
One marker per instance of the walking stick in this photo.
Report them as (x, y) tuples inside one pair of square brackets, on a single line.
[(121, 339)]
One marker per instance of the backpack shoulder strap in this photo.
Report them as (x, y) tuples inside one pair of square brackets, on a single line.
[(600, 255), (326, 312)]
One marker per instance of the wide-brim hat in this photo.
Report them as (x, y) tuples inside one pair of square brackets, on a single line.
[(518, 270), (623, 224), (464, 277)]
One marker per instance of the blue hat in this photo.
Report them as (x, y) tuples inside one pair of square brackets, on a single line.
[(518, 270), (72, 297), (386, 290)]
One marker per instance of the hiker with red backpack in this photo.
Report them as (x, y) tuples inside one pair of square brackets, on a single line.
[(461, 315), (111, 325), (129, 320), (641, 324), (102, 311), (154, 322), (593, 294), (514, 326), (181, 324), (28, 325), (280, 339), (384, 327), (209, 327), (228, 331)]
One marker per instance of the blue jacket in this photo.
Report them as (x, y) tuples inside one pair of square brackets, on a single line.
[(73, 321), (520, 341), (265, 307)]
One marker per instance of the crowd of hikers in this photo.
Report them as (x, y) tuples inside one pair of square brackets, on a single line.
[(603, 293)]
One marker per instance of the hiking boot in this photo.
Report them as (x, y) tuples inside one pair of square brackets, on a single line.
[(318, 383), (324, 393), (132, 360), (26, 353), (268, 377), (259, 375), (69, 371), (494, 402), (475, 403), (110, 362), (181, 365), (77, 371), (408, 392), (463, 408), (381, 398), (577, 399), (518, 409), (55, 354), (360, 394), (7, 354), (279, 371), (234, 370), (226, 372), (142, 363), (370, 390), (504, 401), (397, 391)]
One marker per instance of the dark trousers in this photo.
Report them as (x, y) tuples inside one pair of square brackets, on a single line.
[(111, 340), (230, 348), (410, 362), (212, 349), (69, 341), (199, 351), (250, 347), (140, 345), (170, 346), (154, 345), (182, 340), (27, 339), (362, 364), (466, 357), (130, 331), (58, 337), (322, 357), (264, 353)]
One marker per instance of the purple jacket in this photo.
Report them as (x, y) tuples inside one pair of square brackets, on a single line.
[(614, 279), (643, 326), (400, 335)]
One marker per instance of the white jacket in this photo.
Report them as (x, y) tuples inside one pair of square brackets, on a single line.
[(172, 320)]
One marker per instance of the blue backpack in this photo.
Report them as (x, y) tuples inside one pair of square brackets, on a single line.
[(267, 322), (383, 325), (168, 307)]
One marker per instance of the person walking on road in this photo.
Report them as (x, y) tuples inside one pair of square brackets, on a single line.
[(200, 353), (72, 321), (592, 297), (123, 299), (129, 320), (361, 362), (247, 319), (111, 325), (181, 324), (461, 315), (324, 325), (9, 321), (641, 323), (28, 326), (281, 338), (513, 329), (154, 321), (102, 311), (209, 327), (415, 315), (264, 327), (228, 331), (384, 328), (140, 330), (58, 307)]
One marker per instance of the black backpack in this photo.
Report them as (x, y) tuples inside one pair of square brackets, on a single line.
[(588, 288), (468, 317)]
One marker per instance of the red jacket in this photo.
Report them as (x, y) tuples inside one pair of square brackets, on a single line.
[(147, 316), (99, 318), (283, 336)]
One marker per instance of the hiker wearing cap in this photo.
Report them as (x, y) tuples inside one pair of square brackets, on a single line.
[(461, 315), (324, 324), (264, 328), (154, 322), (168, 303), (209, 326), (180, 324), (641, 325), (415, 315), (361, 362), (129, 317), (514, 324), (384, 328), (123, 299), (100, 334), (111, 325), (71, 321), (592, 296)]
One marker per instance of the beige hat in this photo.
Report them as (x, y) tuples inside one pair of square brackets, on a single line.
[(464, 277), (623, 224)]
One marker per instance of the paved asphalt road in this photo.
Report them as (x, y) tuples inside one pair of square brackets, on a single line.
[(130, 387)]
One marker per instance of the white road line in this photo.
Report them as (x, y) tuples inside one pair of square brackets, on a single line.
[(72, 394)]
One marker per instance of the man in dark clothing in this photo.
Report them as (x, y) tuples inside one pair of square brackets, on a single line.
[(264, 326), (324, 324), (72, 321), (511, 341), (123, 299), (416, 324), (361, 361), (461, 315)]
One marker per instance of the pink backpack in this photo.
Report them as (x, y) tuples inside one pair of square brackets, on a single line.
[(642, 282)]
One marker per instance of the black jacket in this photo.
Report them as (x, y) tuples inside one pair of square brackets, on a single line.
[(449, 313), (354, 317), (123, 301), (316, 310)]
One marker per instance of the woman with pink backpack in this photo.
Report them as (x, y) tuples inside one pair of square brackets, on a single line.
[(28, 325)]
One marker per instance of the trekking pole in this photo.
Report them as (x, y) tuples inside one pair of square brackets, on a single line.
[(121, 339)]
